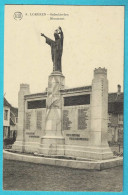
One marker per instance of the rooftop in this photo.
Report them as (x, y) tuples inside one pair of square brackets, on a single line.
[(115, 97), (12, 109)]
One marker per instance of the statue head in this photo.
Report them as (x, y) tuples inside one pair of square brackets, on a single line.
[(56, 35)]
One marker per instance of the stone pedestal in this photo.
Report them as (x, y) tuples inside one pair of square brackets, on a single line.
[(99, 114), (53, 141), (19, 143)]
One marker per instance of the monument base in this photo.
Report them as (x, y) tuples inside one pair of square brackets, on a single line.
[(28, 147), (88, 152), (76, 164), (18, 146), (52, 146)]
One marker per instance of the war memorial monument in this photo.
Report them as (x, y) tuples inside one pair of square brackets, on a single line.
[(64, 126)]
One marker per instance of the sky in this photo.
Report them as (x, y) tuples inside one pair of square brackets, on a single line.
[(93, 37)]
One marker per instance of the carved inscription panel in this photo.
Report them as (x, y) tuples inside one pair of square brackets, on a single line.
[(39, 120), (69, 119), (66, 122), (82, 118), (75, 118), (28, 120)]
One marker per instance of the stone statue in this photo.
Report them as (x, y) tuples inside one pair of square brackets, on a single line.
[(56, 48)]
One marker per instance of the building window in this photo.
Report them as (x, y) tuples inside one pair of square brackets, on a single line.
[(120, 117), (6, 132), (5, 114), (109, 118), (16, 120)]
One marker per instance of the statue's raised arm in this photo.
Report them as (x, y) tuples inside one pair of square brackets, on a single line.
[(48, 40)]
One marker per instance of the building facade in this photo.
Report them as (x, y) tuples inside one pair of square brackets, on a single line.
[(115, 116), (10, 123)]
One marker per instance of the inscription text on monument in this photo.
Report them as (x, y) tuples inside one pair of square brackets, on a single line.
[(66, 121), (39, 120), (28, 120), (82, 118)]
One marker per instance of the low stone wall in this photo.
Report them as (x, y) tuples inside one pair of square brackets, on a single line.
[(76, 164)]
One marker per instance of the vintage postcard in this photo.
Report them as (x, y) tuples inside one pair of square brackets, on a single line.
[(63, 122)]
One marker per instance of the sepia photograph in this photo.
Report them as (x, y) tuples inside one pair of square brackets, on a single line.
[(63, 98)]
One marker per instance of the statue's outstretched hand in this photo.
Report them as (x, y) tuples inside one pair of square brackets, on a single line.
[(42, 34)]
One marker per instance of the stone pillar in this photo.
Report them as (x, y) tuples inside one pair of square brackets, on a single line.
[(99, 113), (52, 144), (19, 144)]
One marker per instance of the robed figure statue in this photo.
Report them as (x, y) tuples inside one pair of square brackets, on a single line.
[(56, 48)]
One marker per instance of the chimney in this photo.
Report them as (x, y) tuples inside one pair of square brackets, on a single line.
[(118, 89)]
